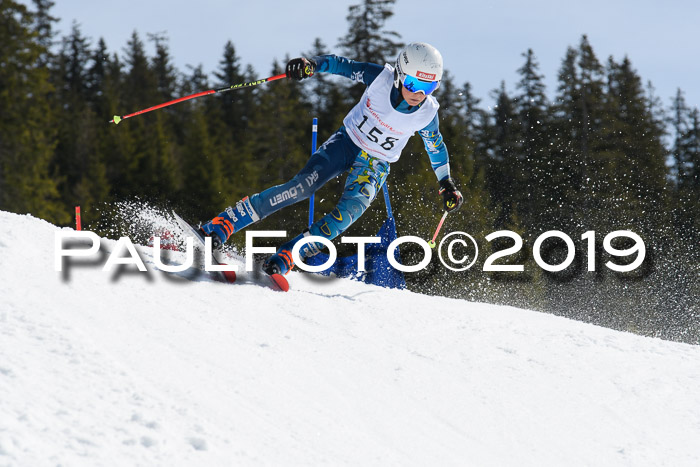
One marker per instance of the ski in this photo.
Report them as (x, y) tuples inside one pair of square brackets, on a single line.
[(273, 281)]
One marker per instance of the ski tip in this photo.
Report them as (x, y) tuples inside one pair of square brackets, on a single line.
[(280, 282), (230, 276)]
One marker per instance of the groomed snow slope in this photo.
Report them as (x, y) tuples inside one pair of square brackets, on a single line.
[(98, 368)]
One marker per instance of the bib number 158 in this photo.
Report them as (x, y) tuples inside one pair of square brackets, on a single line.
[(374, 134)]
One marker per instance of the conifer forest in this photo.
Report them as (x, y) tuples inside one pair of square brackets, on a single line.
[(601, 152)]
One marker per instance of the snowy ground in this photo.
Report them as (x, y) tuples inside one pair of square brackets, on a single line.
[(128, 368)]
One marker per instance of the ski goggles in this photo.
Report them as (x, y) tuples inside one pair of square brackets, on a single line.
[(413, 84)]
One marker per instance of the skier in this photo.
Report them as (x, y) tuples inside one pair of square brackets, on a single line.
[(397, 102)]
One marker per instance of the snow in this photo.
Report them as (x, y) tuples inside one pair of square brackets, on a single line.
[(128, 368)]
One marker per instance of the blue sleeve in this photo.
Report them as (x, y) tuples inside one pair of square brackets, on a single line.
[(436, 149), (361, 72)]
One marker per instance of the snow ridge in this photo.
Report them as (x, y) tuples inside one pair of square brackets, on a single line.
[(127, 368)]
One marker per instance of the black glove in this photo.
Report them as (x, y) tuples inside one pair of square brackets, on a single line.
[(300, 68), (451, 197)]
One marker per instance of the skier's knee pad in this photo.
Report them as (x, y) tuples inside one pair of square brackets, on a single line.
[(339, 219), (361, 187)]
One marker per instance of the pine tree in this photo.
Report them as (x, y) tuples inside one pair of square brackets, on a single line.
[(534, 165), (634, 152), (473, 115), (681, 128), (590, 128), (103, 83), (78, 158), (504, 149), (140, 82), (476, 129), (576, 133), (692, 145), (163, 164), (148, 168), (43, 26), (70, 81), (566, 175), (96, 78), (507, 180), (228, 117), (235, 106), (686, 165), (277, 140), (591, 94), (27, 137), (116, 143), (165, 74), (367, 40), (203, 185), (126, 153), (203, 182)]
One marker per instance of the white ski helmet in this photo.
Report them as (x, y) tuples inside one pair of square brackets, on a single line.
[(419, 68)]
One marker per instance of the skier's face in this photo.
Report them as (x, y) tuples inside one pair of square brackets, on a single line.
[(412, 98)]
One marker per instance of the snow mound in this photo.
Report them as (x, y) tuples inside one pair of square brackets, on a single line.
[(130, 368)]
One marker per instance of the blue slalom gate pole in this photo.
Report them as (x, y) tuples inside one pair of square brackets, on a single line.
[(314, 139), (387, 201)]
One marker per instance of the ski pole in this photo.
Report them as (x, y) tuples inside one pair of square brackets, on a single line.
[(314, 139), (431, 243), (118, 119)]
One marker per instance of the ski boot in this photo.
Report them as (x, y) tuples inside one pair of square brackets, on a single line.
[(230, 221), (279, 263), (282, 261)]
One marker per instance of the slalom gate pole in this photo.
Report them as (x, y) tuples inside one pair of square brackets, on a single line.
[(314, 139), (387, 201), (78, 223), (118, 118), (442, 221)]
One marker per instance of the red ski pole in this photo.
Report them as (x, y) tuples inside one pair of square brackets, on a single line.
[(431, 243), (118, 119)]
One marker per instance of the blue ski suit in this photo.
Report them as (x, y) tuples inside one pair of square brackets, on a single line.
[(337, 155)]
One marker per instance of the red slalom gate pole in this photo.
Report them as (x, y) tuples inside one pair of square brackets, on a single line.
[(78, 225), (118, 119)]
